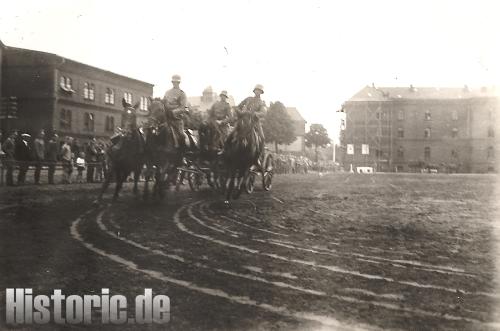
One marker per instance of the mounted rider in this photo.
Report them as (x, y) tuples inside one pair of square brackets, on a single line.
[(255, 105), (219, 116), (175, 102), (128, 131)]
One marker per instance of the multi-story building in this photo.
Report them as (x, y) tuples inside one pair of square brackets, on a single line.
[(406, 129), (72, 98)]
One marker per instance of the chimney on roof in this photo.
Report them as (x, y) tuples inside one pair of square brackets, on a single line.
[(466, 88), (373, 85), (412, 88)]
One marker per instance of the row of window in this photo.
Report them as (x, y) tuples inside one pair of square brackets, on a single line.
[(454, 133), (490, 153), (65, 121), (109, 96), (427, 115)]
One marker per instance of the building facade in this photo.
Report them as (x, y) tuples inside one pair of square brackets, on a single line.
[(62, 95), (407, 129)]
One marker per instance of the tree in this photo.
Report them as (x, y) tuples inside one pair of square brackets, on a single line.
[(317, 137), (278, 125)]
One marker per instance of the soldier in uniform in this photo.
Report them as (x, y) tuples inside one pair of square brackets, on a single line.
[(51, 157), (9, 147), (256, 105), (39, 153), (24, 155), (219, 116), (175, 102)]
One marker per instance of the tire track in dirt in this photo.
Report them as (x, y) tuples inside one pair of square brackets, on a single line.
[(400, 263), (331, 268), (244, 300), (344, 298)]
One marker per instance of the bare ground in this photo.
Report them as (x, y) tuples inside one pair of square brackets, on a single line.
[(340, 251)]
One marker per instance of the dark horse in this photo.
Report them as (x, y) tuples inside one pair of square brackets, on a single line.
[(241, 151), (161, 154), (125, 155)]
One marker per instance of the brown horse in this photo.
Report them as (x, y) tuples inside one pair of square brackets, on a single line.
[(161, 154), (125, 155), (241, 151)]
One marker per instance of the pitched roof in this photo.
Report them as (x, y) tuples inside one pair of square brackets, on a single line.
[(294, 114), (371, 93)]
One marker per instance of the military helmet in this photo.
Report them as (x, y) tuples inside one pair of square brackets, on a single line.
[(224, 93), (176, 78), (259, 87)]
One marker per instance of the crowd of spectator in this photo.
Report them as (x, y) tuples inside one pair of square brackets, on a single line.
[(291, 164), (19, 151)]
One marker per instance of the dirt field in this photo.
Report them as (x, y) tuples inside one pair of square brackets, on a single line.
[(332, 252)]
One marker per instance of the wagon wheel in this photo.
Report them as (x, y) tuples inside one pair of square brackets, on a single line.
[(195, 180), (267, 173), (250, 182), (238, 190)]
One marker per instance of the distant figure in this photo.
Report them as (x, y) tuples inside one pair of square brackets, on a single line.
[(80, 166), (100, 159), (52, 152), (9, 148), (67, 160), (23, 154), (91, 158), (219, 116), (39, 153)]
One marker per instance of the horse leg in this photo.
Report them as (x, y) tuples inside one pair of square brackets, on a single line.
[(239, 187), (105, 185), (120, 178), (229, 187), (146, 183), (137, 175)]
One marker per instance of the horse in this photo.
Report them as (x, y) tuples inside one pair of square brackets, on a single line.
[(211, 146), (126, 155), (161, 154), (241, 151)]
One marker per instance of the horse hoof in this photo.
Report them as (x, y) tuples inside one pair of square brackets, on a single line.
[(227, 204)]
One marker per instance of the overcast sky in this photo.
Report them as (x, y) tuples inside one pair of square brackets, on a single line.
[(313, 55)]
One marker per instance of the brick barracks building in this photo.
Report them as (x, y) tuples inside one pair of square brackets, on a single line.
[(410, 128), (72, 98)]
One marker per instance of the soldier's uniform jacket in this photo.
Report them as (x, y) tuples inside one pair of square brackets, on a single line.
[(253, 104), (175, 101), (9, 148), (39, 145), (219, 111)]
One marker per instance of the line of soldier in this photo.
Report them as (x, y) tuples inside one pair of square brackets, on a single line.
[(21, 151), (291, 164)]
